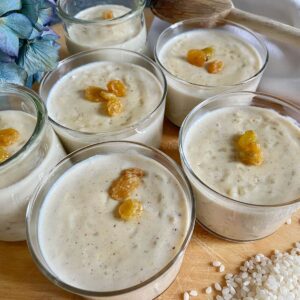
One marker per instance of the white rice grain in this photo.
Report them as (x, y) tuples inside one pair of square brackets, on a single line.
[(261, 277)]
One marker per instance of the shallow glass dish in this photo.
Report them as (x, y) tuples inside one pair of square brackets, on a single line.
[(226, 217), (148, 289), (183, 96), (148, 130), (127, 30)]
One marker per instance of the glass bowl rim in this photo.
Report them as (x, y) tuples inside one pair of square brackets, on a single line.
[(125, 129), (181, 250), (190, 171), (41, 117), (223, 21), (132, 13)]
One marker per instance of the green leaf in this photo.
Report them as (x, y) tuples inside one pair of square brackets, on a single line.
[(11, 72), (9, 5)]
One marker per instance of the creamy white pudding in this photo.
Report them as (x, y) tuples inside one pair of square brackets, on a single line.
[(241, 60), (20, 177), (189, 84), (210, 151), (235, 199), (68, 106), (87, 245), (129, 33)]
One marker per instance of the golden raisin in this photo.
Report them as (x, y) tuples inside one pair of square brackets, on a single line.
[(94, 94), (215, 66), (8, 136), (107, 15), (209, 52), (117, 87), (107, 96), (4, 155), (133, 172), (114, 107), (249, 150), (196, 57), (130, 209), (122, 187), (248, 137)]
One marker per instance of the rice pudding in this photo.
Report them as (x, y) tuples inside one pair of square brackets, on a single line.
[(230, 46), (95, 244), (21, 175), (211, 151), (68, 106), (110, 26)]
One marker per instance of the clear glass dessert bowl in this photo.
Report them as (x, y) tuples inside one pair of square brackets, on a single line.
[(220, 213), (146, 288), (183, 95), (146, 129), (39, 150), (100, 24)]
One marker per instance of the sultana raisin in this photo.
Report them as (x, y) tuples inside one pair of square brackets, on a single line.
[(196, 57), (117, 87), (107, 96), (94, 94), (107, 15), (133, 172), (128, 181), (209, 52), (8, 136), (215, 66), (130, 209), (249, 150), (114, 107), (247, 138), (4, 155)]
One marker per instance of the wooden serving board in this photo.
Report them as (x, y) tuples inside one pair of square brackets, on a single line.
[(21, 280)]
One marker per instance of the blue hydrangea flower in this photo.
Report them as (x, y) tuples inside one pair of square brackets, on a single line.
[(27, 46)]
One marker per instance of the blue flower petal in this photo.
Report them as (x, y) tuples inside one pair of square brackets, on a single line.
[(30, 8), (4, 58), (45, 15), (18, 23), (9, 5), (9, 41), (49, 35), (35, 34), (10, 72), (38, 56)]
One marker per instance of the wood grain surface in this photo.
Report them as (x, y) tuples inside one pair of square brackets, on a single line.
[(21, 280)]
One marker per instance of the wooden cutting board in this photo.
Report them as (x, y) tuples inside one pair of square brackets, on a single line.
[(21, 280)]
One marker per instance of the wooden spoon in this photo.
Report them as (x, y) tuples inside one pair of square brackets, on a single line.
[(213, 10)]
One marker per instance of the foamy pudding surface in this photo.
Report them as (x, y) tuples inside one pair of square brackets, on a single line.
[(210, 151), (68, 107), (88, 246), (241, 60)]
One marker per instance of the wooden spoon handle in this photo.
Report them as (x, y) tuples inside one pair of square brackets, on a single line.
[(268, 27)]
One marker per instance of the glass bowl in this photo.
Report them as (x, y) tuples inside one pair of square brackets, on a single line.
[(148, 130), (22, 171), (127, 30), (228, 218), (149, 288), (183, 96)]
